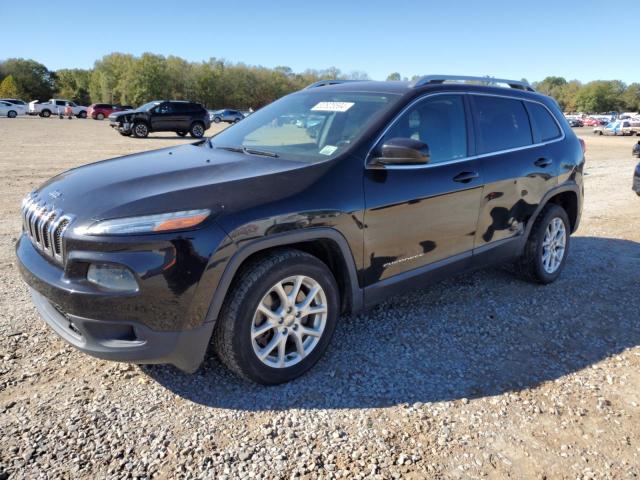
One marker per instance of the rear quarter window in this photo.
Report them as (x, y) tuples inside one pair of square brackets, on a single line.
[(501, 124), (543, 123)]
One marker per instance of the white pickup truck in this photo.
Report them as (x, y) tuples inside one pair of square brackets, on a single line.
[(55, 106)]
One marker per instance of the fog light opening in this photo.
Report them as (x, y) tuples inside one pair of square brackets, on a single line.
[(112, 277)]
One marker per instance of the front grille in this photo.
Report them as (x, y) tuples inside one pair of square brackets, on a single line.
[(45, 226)]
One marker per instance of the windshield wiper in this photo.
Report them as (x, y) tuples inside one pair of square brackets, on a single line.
[(250, 151)]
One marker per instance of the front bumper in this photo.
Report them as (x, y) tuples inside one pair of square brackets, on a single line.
[(127, 341)]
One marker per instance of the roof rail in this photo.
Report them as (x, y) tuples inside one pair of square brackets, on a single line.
[(438, 79), (334, 81)]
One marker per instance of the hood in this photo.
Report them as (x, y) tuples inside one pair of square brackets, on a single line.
[(185, 177), (119, 113)]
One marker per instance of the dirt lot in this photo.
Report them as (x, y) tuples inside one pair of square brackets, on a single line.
[(481, 376)]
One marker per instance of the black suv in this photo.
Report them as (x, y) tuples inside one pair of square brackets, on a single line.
[(162, 116), (259, 238)]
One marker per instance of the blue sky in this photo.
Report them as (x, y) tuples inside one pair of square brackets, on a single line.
[(583, 39)]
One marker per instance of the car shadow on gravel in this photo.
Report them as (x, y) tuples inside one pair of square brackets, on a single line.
[(477, 335)]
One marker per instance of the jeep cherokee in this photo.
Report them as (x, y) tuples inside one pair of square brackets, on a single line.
[(256, 240), (162, 116)]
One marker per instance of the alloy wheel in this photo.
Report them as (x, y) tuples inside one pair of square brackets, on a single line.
[(289, 321), (554, 245)]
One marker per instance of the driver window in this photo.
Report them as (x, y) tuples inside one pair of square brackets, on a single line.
[(165, 108), (439, 121)]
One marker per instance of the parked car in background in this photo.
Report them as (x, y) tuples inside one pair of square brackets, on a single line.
[(574, 122), (612, 128), (100, 111), (55, 106), (16, 101), (631, 127), (11, 110), (262, 237), (177, 116), (591, 122), (226, 115)]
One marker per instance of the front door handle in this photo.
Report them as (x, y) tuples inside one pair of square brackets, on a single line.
[(543, 162), (465, 177)]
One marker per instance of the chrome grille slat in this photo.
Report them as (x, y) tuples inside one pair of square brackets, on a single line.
[(45, 227)]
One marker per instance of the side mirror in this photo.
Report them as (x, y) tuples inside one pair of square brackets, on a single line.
[(401, 151)]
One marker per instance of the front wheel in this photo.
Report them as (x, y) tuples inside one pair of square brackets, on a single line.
[(547, 247), (12, 114), (140, 130), (197, 130), (82, 114), (100, 116), (279, 318), (216, 120)]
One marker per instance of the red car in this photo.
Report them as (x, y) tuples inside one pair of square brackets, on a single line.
[(99, 111), (591, 122)]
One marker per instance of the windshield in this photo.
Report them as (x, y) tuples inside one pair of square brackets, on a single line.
[(148, 106), (308, 126)]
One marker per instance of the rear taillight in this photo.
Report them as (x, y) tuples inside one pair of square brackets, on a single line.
[(583, 145)]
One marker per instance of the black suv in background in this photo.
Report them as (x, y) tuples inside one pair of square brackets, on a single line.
[(262, 236), (177, 116)]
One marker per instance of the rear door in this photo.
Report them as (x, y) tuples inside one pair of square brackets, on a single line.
[(417, 216), (165, 117), (517, 145)]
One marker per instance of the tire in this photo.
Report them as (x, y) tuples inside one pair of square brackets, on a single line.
[(531, 264), (82, 114), (237, 120), (140, 130), (216, 119), (45, 113), (197, 130), (12, 114), (100, 116), (181, 133), (233, 340)]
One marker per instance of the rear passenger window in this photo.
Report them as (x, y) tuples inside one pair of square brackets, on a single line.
[(438, 121), (542, 122), (502, 124)]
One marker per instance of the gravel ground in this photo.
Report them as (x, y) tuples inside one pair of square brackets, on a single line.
[(479, 376)]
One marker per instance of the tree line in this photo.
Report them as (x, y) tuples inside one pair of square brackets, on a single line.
[(133, 80)]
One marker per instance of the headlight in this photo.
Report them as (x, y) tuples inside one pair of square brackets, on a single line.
[(163, 222)]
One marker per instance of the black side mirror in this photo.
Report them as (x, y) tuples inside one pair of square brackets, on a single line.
[(401, 151)]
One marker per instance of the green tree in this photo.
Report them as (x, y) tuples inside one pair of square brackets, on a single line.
[(8, 88), (147, 79), (600, 96), (108, 78), (33, 80), (73, 84), (631, 98), (395, 76)]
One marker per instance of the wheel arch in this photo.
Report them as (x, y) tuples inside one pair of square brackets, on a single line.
[(326, 244), (568, 196)]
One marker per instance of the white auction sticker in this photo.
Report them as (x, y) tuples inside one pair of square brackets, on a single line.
[(333, 106), (328, 150)]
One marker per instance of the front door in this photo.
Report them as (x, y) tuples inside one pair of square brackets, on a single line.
[(418, 215)]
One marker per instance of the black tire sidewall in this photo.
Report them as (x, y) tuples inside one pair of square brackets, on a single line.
[(12, 114), (554, 211), (242, 344)]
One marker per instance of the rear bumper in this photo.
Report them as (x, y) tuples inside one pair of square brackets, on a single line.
[(127, 341)]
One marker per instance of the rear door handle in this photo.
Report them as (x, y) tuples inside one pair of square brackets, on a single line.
[(465, 177), (543, 162)]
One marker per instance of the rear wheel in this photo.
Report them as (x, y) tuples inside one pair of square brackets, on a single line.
[(237, 120), (82, 114), (100, 116), (547, 247), (279, 317), (216, 119), (140, 130), (12, 114), (45, 113)]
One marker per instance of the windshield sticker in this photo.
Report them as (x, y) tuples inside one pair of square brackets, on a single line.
[(333, 106), (328, 149)]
